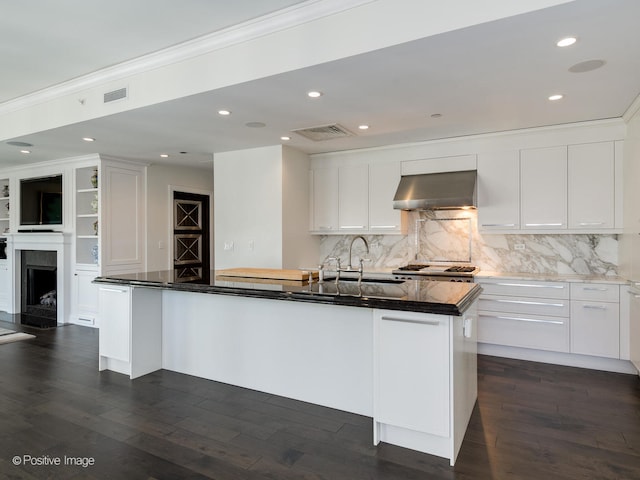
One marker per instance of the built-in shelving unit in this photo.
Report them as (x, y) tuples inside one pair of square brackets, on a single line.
[(87, 215), (5, 205)]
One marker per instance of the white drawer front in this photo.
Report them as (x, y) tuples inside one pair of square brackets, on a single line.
[(525, 305), (597, 292), (526, 288), (529, 331), (595, 328)]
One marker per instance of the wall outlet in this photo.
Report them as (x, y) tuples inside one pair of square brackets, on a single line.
[(228, 245), (519, 246), (161, 245)]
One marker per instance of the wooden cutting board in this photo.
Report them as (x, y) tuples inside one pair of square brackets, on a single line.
[(270, 273)]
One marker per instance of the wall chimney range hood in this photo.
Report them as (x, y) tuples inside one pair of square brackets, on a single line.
[(433, 191)]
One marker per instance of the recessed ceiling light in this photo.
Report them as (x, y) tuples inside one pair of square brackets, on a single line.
[(314, 94), (19, 144), (567, 41), (88, 139), (164, 155), (436, 115), (224, 112), (555, 97), (25, 151), (285, 138), (363, 127), (586, 66)]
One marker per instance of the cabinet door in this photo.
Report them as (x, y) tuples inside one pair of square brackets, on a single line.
[(353, 197), (5, 287), (413, 371), (115, 322), (592, 192), (543, 188), (499, 191), (85, 297), (634, 326), (595, 328), (325, 199), (383, 182)]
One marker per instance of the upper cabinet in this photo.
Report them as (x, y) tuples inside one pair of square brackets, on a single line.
[(562, 189), (592, 185), (543, 188), (499, 191), (383, 182), (352, 199)]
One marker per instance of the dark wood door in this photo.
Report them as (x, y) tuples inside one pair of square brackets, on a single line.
[(191, 238)]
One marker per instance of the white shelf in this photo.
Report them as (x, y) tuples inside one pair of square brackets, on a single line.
[(4, 219), (87, 190), (6, 198), (87, 236), (87, 215)]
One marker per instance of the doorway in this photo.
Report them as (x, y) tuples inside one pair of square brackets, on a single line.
[(191, 237)]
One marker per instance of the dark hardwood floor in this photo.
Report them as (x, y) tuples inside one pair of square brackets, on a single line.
[(532, 421)]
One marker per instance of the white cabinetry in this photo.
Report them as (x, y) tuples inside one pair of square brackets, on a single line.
[(634, 324), (425, 379), (353, 198), (595, 319), (5, 285), (85, 297), (499, 191), (530, 314), (543, 188), (5, 205), (440, 164), (325, 200), (130, 347), (383, 182), (592, 194)]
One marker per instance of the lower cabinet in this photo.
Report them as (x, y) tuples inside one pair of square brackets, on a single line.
[(580, 318), (425, 379), (5, 284), (125, 346), (595, 320), (85, 298)]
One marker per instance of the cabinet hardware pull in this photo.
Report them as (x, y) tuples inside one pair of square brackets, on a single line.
[(595, 307), (634, 294), (408, 320), (107, 289), (523, 319), (522, 302), (544, 224), (594, 289), (352, 227), (324, 227), (498, 224), (529, 285), (384, 226), (587, 224)]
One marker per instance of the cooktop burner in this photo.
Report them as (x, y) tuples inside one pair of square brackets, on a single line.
[(427, 269)]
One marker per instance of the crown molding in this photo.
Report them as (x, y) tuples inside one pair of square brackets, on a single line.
[(633, 109), (284, 19)]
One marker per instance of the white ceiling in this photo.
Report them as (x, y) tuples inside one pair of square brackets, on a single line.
[(486, 78)]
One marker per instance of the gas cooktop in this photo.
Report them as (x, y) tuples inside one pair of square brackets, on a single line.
[(447, 270)]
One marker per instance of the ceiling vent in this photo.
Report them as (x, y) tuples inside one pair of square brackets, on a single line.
[(115, 95), (324, 132)]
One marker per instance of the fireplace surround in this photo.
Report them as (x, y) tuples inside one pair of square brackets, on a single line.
[(26, 253)]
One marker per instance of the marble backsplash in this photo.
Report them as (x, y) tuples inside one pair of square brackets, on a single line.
[(452, 236)]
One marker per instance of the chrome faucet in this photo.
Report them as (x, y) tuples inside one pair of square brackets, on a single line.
[(350, 266)]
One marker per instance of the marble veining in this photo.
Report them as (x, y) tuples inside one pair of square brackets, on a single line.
[(434, 236)]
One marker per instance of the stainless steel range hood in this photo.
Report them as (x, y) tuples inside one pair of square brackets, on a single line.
[(433, 191)]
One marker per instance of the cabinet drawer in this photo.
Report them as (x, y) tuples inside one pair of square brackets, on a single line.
[(526, 288), (525, 305), (599, 292), (528, 331)]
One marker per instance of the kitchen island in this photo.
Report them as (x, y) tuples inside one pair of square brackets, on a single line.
[(402, 353)]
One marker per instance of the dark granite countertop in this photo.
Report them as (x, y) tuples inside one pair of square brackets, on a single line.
[(443, 298)]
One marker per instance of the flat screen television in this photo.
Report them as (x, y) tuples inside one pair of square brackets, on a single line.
[(41, 200)]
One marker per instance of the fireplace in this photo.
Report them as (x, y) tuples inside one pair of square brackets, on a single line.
[(38, 294), (40, 258)]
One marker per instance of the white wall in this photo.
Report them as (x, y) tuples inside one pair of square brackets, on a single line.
[(262, 209), (300, 249), (160, 179), (248, 208)]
